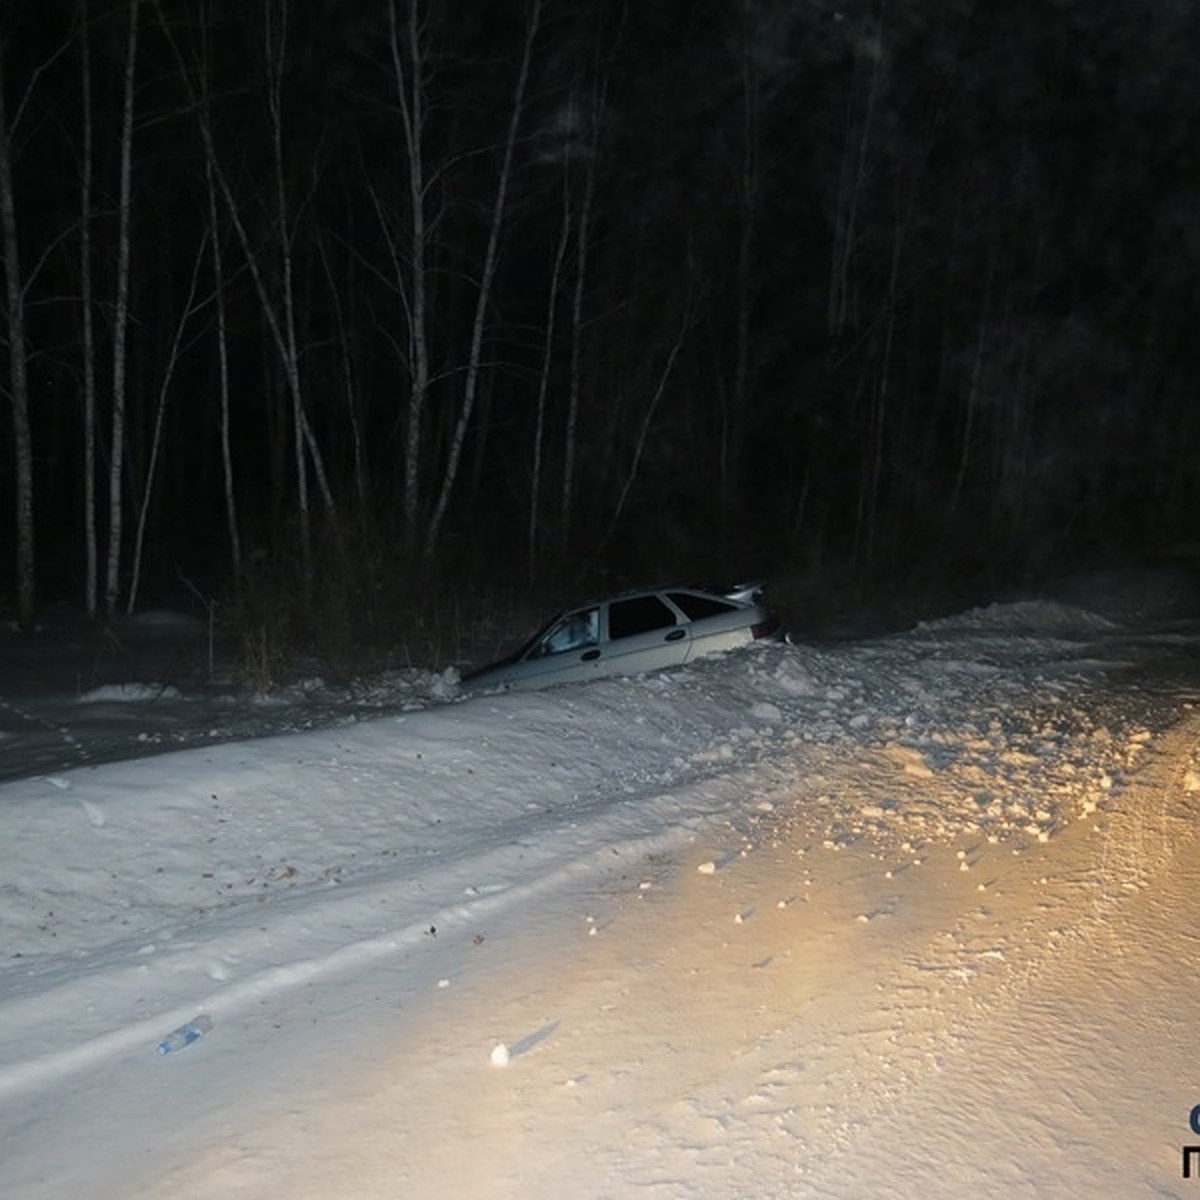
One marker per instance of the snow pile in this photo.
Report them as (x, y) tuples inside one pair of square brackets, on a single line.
[(794, 914), (130, 693), (1041, 618)]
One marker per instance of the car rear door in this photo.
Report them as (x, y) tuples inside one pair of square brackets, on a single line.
[(643, 633), (716, 623)]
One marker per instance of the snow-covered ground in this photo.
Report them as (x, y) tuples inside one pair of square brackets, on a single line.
[(901, 917)]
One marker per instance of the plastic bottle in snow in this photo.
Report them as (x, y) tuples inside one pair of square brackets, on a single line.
[(185, 1035)]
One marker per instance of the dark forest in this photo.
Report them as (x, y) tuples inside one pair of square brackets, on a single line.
[(327, 304)]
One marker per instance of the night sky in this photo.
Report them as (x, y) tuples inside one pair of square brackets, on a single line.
[(576, 292)]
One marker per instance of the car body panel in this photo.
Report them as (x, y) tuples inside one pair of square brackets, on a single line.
[(631, 633)]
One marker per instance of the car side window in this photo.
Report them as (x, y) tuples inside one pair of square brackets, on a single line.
[(575, 631), (639, 614), (696, 607)]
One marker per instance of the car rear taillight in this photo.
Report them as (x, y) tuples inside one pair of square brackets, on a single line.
[(764, 629)]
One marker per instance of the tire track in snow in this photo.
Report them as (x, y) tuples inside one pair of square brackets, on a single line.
[(552, 865)]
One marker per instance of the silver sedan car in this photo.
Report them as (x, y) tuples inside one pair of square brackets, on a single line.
[(631, 633)]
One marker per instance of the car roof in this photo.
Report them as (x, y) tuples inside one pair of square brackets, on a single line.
[(718, 593)]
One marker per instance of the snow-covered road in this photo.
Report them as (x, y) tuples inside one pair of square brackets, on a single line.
[(889, 918)]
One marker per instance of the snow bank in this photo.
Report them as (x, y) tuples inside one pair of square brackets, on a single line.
[(729, 919)]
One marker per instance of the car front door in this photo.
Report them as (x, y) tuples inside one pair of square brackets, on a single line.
[(566, 653)]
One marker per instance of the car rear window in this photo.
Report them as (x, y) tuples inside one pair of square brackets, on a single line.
[(639, 614), (695, 607)]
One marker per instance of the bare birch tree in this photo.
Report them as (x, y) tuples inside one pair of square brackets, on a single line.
[(408, 65), (87, 322), (227, 471), (18, 371), (164, 389), (734, 414), (121, 323), (276, 54), (593, 119), (648, 415), (583, 234), (539, 432), (484, 296), (856, 150), (232, 524), (279, 315)]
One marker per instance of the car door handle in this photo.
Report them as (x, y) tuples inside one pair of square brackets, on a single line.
[(590, 655), (675, 635)]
